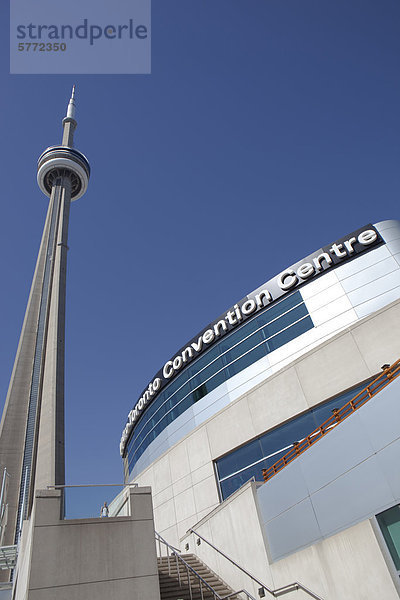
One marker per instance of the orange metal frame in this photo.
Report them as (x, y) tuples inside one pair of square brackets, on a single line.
[(339, 414)]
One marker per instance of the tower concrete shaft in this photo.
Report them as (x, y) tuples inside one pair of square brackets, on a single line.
[(32, 426)]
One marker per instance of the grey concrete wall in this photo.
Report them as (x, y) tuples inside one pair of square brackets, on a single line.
[(89, 558), (346, 566), (234, 527), (348, 476)]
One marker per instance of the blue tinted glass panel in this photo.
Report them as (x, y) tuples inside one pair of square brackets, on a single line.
[(389, 522), (247, 360), (286, 320), (239, 458), (234, 483), (244, 346)]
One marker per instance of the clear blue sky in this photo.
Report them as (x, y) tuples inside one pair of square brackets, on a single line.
[(267, 129)]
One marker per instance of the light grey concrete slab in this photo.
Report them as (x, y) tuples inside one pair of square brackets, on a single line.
[(292, 530), (90, 558), (123, 589), (282, 492), (352, 497)]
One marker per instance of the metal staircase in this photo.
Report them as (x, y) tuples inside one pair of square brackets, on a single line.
[(185, 577)]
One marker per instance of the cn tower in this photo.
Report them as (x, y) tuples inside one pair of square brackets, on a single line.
[(32, 425)]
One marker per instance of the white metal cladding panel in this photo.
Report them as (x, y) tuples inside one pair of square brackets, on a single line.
[(397, 257), (362, 262), (356, 288), (389, 230), (332, 309), (370, 306), (375, 288), (371, 273), (315, 287), (348, 476), (388, 224), (330, 294)]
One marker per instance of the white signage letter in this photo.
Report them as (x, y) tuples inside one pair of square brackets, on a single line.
[(367, 237), (287, 279), (167, 371)]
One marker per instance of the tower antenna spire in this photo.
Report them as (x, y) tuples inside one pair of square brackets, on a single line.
[(71, 105), (69, 122)]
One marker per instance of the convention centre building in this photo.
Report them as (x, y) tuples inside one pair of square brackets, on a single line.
[(242, 434)]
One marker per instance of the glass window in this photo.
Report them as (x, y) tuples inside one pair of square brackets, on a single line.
[(234, 483), (240, 458), (238, 466), (244, 346), (389, 522), (289, 334), (286, 320), (204, 360), (246, 360)]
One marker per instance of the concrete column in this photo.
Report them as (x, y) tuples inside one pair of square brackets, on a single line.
[(14, 421), (50, 465)]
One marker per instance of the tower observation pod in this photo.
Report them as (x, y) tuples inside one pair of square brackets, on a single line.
[(64, 161), (32, 425)]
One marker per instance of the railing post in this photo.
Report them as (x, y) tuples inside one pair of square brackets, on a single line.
[(189, 583), (178, 568)]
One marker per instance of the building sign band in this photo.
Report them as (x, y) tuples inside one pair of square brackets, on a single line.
[(351, 246)]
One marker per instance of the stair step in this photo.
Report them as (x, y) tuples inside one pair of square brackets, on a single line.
[(170, 589)]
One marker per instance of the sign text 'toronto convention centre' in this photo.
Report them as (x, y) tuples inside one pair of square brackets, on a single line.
[(302, 272)]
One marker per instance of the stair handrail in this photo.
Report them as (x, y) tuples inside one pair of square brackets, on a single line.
[(249, 596), (175, 552), (178, 557), (291, 587), (389, 374)]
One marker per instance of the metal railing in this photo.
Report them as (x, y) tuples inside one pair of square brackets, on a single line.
[(286, 589), (90, 498), (3, 505), (390, 372), (187, 576)]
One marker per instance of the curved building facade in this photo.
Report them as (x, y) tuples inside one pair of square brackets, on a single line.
[(253, 383)]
